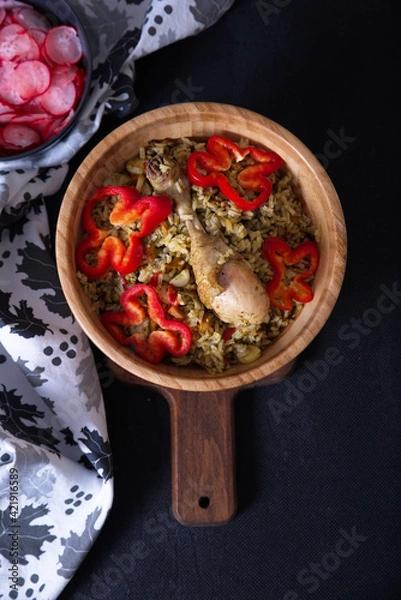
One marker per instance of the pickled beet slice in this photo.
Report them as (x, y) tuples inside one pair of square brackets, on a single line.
[(63, 46)]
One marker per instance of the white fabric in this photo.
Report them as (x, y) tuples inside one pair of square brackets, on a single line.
[(55, 463)]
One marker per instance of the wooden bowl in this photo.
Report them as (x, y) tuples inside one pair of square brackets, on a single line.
[(185, 387)]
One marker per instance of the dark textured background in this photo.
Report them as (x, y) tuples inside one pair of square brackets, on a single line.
[(319, 478)]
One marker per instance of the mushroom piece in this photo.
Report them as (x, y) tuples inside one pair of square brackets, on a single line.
[(225, 282)]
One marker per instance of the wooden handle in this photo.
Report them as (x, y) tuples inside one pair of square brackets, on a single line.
[(202, 440), (202, 448)]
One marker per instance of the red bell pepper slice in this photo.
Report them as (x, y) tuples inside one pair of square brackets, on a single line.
[(149, 210), (172, 336), (111, 252), (279, 254), (218, 158), (228, 333), (115, 322)]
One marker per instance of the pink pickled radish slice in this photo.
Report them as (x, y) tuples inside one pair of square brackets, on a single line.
[(21, 136), (5, 108), (6, 146), (31, 78), (54, 126), (58, 100), (7, 92), (5, 118), (38, 35), (15, 42), (62, 45), (64, 75), (36, 121), (30, 18)]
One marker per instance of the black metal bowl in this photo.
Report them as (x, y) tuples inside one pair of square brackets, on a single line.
[(59, 12)]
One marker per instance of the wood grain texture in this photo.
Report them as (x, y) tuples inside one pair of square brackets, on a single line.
[(202, 456)]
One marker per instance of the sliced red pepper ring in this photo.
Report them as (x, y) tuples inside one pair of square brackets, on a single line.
[(173, 337), (115, 322), (150, 210), (218, 158), (111, 252), (279, 254)]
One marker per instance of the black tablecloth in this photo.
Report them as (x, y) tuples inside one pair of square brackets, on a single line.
[(318, 456)]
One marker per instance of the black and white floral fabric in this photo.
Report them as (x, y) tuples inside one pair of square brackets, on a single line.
[(55, 463)]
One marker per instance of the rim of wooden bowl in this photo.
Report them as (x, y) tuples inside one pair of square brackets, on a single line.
[(202, 119)]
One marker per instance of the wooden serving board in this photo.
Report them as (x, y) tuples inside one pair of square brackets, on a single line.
[(202, 449)]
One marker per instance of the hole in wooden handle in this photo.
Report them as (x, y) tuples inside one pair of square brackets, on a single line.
[(204, 502)]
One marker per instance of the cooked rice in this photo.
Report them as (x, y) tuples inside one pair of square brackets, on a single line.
[(168, 251)]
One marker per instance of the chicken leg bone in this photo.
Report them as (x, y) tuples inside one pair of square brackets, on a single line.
[(225, 282)]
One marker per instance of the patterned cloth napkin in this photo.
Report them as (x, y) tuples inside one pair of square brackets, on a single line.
[(55, 462)]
